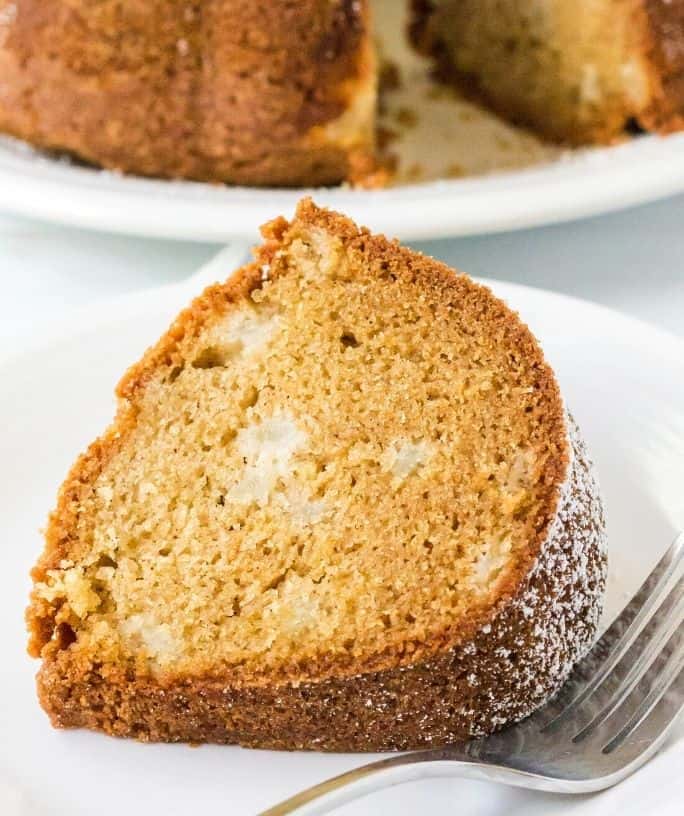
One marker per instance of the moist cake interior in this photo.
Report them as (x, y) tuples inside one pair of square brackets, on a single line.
[(345, 462)]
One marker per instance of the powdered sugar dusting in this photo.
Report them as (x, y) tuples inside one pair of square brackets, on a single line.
[(520, 659), (563, 599)]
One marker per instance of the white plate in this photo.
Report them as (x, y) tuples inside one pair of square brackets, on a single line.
[(579, 185), (624, 381)]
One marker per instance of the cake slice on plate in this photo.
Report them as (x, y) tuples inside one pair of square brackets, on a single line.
[(341, 507)]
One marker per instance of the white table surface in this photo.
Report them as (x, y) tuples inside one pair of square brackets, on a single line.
[(632, 261)]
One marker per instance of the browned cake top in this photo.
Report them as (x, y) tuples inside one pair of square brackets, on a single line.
[(342, 459), (261, 92)]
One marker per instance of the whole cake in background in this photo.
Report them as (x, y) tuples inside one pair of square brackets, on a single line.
[(341, 507), (274, 92)]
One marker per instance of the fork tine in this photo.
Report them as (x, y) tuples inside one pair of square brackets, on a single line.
[(624, 630), (670, 673), (669, 617)]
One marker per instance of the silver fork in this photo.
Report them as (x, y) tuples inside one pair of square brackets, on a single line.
[(611, 716)]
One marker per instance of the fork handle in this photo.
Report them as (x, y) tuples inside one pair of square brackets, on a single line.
[(453, 761), (457, 760), (354, 784)]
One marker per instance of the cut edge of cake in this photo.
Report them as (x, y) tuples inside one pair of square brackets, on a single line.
[(581, 100)]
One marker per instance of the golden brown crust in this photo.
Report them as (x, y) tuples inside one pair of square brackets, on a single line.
[(312, 697), (210, 91)]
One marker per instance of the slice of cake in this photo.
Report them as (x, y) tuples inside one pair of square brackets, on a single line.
[(578, 71), (341, 507)]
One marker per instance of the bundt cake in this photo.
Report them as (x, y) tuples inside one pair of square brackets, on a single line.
[(272, 92), (341, 507), (240, 91), (577, 71)]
